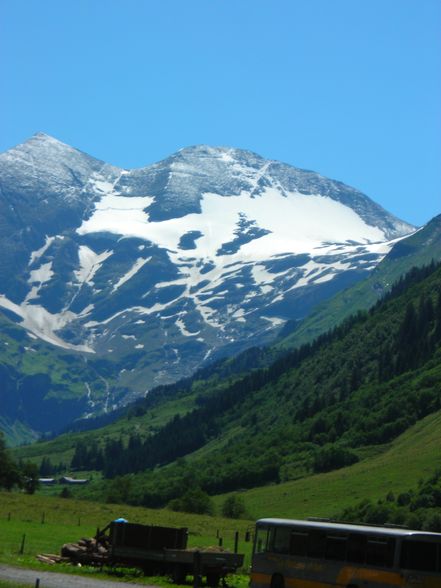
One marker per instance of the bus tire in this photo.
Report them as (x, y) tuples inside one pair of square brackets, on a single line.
[(277, 581)]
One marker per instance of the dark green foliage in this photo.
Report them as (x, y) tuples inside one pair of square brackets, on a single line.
[(29, 477), (89, 456), (65, 493), (233, 507), (48, 469), (23, 475), (331, 457), (193, 500), (416, 509), (9, 473), (119, 490)]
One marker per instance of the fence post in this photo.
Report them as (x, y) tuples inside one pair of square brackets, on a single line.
[(42, 518), (37, 583), (22, 545), (236, 541), (220, 541)]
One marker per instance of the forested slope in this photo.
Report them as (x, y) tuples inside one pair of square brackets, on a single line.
[(316, 409)]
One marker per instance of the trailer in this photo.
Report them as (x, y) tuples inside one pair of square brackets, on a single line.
[(163, 551)]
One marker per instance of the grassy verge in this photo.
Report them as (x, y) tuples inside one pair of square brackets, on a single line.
[(30, 525)]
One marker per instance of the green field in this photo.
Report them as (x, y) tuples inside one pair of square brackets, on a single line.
[(66, 521), (396, 467), (47, 522)]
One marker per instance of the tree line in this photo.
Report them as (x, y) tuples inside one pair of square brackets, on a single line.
[(16, 474), (362, 383)]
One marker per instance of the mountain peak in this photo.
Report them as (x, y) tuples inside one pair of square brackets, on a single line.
[(40, 140), (41, 135), (227, 154)]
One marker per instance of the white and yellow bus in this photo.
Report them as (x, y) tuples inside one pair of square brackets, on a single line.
[(313, 554)]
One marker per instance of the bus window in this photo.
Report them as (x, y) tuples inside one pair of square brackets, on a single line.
[(419, 555), (336, 547), (261, 540), (356, 550), (281, 540), (317, 544), (298, 543), (380, 551)]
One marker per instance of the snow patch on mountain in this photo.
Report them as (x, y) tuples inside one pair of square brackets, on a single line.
[(312, 220), (39, 252), (90, 262), (44, 324), (121, 215), (181, 326), (41, 275)]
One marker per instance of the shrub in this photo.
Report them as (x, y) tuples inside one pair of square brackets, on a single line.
[(332, 457), (233, 507), (194, 500)]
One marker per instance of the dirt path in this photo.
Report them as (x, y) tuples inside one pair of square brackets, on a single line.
[(56, 580)]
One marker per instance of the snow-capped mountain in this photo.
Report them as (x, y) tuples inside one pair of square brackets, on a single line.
[(165, 267)]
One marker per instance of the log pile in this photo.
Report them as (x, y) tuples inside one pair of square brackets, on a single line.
[(85, 551), (52, 558)]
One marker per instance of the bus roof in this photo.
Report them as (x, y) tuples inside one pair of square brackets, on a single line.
[(349, 527)]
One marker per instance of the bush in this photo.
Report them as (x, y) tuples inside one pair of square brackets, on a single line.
[(65, 493), (332, 457), (194, 500), (233, 507)]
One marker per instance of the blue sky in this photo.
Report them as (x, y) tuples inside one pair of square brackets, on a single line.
[(349, 88)]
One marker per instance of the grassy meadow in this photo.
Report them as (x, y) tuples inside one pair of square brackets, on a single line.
[(46, 523), (397, 467)]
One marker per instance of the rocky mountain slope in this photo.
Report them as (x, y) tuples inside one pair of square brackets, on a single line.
[(155, 271)]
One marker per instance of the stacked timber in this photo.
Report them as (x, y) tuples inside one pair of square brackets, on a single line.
[(90, 551), (85, 551)]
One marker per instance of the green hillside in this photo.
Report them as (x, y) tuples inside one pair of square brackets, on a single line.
[(354, 415), (61, 448), (395, 467), (339, 402)]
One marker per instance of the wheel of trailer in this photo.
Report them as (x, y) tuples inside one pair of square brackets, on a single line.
[(178, 574), (277, 581), (147, 570), (213, 580)]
